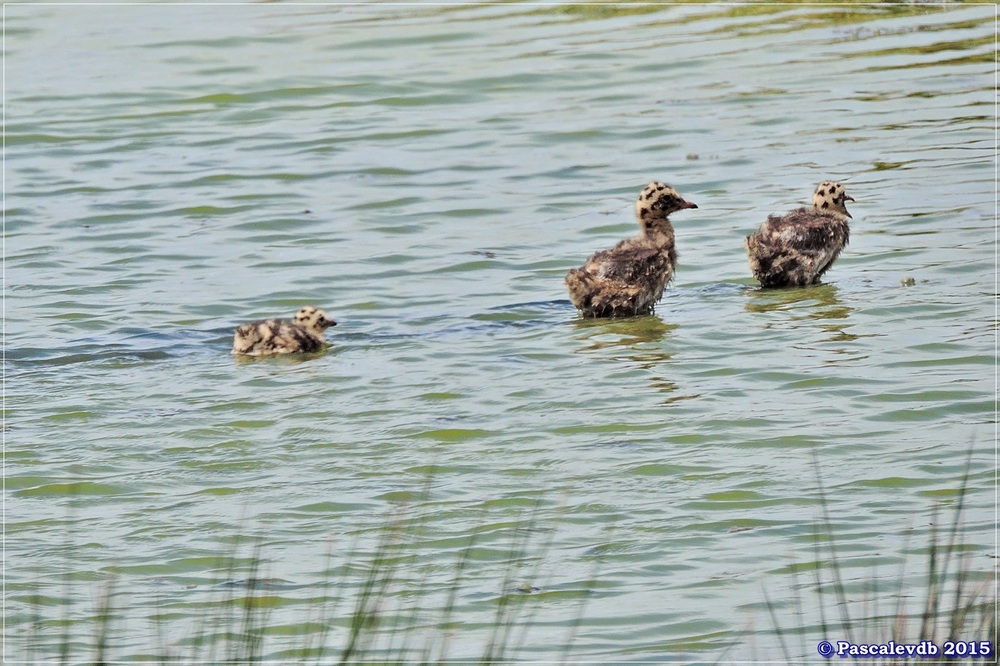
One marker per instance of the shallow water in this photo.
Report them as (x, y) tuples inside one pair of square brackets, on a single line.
[(427, 175)]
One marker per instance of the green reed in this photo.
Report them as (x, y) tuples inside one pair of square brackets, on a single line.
[(959, 604), (380, 626)]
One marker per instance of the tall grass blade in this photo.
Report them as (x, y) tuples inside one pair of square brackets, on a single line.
[(103, 626), (777, 626), (838, 581)]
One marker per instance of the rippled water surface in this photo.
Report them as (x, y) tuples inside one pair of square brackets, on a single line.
[(427, 174)]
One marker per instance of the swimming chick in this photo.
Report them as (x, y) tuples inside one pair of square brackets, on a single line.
[(278, 336), (629, 279), (795, 249)]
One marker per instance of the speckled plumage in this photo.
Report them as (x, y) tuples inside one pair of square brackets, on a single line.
[(629, 279), (795, 249), (279, 336)]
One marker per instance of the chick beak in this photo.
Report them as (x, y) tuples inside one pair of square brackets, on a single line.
[(688, 204), (848, 197), (328, 323)]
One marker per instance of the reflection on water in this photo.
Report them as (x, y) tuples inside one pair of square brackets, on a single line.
[(626, 332), (789, 299), (815, 308), (642, 342), (279, 359), (817, 303)]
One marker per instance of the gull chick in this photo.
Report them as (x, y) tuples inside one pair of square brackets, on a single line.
[(305, 333), (795, 249), (629, 279)]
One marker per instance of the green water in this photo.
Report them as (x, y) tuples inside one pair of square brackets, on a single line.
[(427, 175)]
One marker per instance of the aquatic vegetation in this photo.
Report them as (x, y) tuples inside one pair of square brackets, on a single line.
[(959, 599), (396, 616)]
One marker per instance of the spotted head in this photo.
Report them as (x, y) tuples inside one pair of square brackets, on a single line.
[(312, 318), (831, 196), (657, 201)]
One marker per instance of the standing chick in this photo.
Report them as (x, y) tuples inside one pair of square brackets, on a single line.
[(278, 336), (795, 249), (629, 279)]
